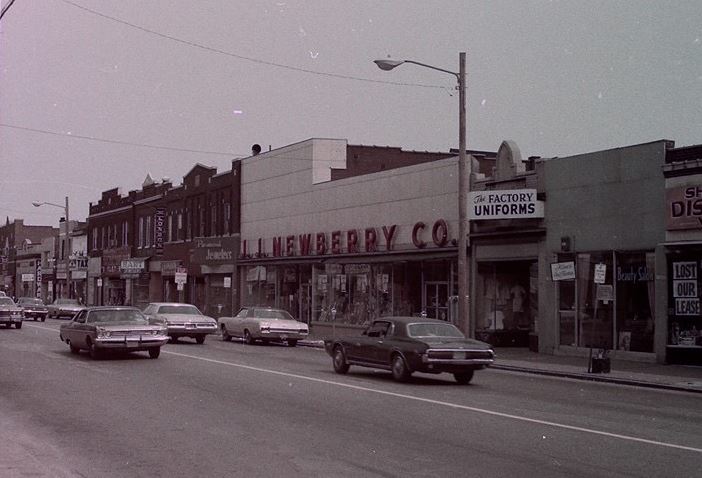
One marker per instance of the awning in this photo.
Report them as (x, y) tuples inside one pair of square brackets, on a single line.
[(682, 243)]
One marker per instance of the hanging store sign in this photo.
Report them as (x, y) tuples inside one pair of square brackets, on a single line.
[(563, 271), (509, 204), (79, 275), (600, 273), (181, 276), (27, 277), (684, 206)]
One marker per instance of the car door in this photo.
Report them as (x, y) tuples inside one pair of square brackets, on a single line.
[(382, 349), (235, 326), (76, 329), (361, 348)]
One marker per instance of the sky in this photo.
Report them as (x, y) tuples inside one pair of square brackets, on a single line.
[(96, 94)]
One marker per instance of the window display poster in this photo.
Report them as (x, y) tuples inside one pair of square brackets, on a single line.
[(685, 291), (322, 283), (342, 281), (600, 273)]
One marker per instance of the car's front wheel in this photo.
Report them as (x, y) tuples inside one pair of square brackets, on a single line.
[(225, 334), (18, 325), (248, 338), (200, 340), (339, 361), (464, 378), (95, 353), (292, 342), (154, 352), (400, 372), (74, 350)]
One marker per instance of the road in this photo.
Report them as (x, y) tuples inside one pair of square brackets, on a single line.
[(227, 409)]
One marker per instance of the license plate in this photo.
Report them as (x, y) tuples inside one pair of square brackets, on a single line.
[(459, 355), (284, 337)]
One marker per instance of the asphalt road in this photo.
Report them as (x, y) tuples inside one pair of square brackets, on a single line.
[(227, 409)]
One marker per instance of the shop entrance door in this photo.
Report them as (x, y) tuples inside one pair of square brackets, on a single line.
[(436, 300)]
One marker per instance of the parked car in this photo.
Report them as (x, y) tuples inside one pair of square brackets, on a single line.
[(404, 345), (10, 313), (64, 308), (126, 329), (264, 324), (33, 308), (181, 320)]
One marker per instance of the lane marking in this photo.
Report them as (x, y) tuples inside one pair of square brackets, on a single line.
[(429, 400), (442, 403)]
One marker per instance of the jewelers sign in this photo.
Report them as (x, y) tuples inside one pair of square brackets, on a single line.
[(510, 204)]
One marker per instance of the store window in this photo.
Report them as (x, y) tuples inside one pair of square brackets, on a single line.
[(635, 301), (685, 318)]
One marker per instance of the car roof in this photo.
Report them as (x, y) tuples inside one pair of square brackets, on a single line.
[(111, 307), (170, 303)]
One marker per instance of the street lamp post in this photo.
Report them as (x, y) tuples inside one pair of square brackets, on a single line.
[(463, 182), (68, 239)]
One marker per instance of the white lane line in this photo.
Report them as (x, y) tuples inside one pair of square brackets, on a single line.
[(442, 403), (40, 327)]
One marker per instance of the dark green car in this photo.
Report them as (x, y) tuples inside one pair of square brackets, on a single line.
[(404, 345)]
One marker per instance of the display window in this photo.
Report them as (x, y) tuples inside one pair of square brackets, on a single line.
[(684, 316), (609, 303)]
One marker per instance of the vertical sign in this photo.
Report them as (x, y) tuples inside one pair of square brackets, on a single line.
[(687, 301), (600, 273), (38, 282), (159, 229)]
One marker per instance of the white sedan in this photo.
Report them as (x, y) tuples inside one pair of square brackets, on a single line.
[(181, 320), (264, 324)]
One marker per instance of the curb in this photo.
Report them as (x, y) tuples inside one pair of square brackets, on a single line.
[(563, 374), (597, 378)]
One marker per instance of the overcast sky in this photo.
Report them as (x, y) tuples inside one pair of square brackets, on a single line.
[(200, 82)]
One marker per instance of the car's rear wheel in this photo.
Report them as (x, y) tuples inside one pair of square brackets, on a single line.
[(248, 339), (292, 342), (18, 325), (200, 340), (154, 352), (174, 339), (43, 319), (225, 334), (464, 378), (400, 372), (339, 361)]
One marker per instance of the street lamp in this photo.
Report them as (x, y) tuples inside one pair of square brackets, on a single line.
[(463, 181), (68, 238)]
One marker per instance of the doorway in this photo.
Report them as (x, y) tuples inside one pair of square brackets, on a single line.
[(436, 299)]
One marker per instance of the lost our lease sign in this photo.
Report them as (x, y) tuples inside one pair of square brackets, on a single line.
[(509, 204)]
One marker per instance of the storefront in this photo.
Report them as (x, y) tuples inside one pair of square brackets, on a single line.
[(134, 271), (215, 289), (114, 287), (683, 249), (351, 291), (607, 300)]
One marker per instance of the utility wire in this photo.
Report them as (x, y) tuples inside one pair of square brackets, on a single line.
[(6, 8), (253, 60), (114, 141)]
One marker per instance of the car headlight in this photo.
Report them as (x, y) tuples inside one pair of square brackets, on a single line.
[(103, 333)]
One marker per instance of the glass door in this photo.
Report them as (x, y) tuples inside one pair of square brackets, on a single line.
[(436, 300)]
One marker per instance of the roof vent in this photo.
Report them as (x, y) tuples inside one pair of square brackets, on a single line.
[(255, 149)]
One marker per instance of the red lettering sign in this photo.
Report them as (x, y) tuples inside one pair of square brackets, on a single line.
[(336, 242), (439, 233), (389, 234), (415, 235), (305, 240), (371, 240), (277, 246), (352, 241), (321, 243), (290, 246)]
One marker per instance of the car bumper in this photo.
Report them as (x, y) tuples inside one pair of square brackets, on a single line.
[(185, 331), (281, 335), (35, 314), (131, 343), (10, 320)]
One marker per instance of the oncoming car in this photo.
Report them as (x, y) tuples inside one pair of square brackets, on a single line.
[(263, 324), (33, 308), (99, 329), (404, 345), (10, 313)]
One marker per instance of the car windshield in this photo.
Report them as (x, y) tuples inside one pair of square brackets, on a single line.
[(25, 301), (6, 301), (66, 302), (122, 315), (273, 314), (179, 309), (434, 330)]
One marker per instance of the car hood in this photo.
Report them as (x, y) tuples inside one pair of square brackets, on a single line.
[(199, 319), (127, 326), (450, 343), (11, 308), (71, 307)]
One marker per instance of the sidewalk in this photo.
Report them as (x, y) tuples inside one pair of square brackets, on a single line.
[(625, 372)]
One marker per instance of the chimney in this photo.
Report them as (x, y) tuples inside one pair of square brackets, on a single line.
[(255, 149)]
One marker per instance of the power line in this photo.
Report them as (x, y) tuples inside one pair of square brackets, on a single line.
[(114, 141), (6, 8), (246, 58)]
